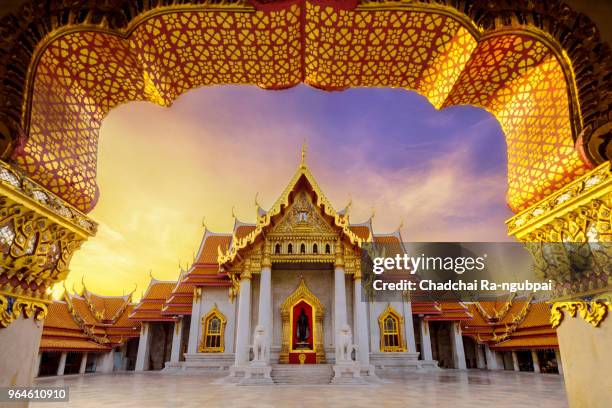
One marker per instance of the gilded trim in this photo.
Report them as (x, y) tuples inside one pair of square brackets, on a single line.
[(593, 312), (399, 321), (582, 191), (202, 348), (11, 308), (302, 293)]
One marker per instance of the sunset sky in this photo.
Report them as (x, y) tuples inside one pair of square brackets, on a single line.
[(161, 170)]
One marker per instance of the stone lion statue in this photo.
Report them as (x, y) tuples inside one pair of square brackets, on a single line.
[(344, 344), (260, 344)]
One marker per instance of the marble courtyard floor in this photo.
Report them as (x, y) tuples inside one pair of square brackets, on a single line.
[(444, 388)]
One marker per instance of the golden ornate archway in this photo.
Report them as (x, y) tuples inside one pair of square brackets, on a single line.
[(450, 53), (302, 293)]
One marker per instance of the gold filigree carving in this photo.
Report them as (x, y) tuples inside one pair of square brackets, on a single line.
[(592, 312), (302, 219), (38, 235), (11, 308), (589, 194), (580, 215)]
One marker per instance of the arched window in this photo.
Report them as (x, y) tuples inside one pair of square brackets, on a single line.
[(315, 249), (302, 248), (213, 330), (327, 249), (391, 325), (277, 249), (289, 249)]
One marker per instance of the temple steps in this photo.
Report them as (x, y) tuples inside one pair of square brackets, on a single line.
[(298, 374)]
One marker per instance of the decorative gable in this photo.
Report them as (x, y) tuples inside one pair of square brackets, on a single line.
[(303, 218)]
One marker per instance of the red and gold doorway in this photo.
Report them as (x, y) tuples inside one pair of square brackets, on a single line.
[(302, 315)]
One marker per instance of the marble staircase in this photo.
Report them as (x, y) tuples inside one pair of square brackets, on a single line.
[(302, 374)]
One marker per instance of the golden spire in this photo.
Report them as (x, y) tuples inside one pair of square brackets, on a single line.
[(303, 163)]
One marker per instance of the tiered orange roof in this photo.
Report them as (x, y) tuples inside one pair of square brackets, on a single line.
[(450, 311), (180, 300), (363, 230), (88, 322), (150, 306), (205, 269), (511, 325)]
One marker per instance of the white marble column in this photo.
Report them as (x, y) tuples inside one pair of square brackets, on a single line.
[(106, 362), (559, 364), (515, 362), (536, 361), (361, 323), (480, 358), (425, 339), (409, 327), (243, 327), (83, 366), (38, 361), (264, 315), (195, 325), (62, 363), (492, 362), (339, 301), (142, 358), (177, 340), (457, 344)]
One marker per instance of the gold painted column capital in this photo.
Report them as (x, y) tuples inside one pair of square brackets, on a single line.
[(266, 260), (39, 233), (339, 252), (246, 270), (593, 312)]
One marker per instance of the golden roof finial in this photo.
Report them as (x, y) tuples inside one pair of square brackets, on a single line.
[(257, 200), (204, 222), (303, 163), (132, 292), (373, 212), (401, 224), (234, 212)]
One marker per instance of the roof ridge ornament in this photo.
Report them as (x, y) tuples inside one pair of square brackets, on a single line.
[(304, 148)]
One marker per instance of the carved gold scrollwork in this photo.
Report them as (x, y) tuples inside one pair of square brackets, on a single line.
[(38, 235), (579, 216), (35, 251), (592, 312), (11, 308)]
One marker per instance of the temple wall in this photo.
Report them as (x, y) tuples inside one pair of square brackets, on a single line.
[(587, 357), (210, 297), (375, 310)]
